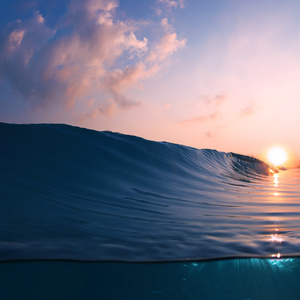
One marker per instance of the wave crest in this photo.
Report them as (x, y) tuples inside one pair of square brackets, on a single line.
[(74, 193)]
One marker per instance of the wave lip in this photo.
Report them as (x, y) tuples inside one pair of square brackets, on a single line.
[(74, 193)]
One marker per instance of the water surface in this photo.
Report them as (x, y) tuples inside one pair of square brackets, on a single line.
[(72, 193)]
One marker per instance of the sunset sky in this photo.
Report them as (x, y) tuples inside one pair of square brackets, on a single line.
[(221, 74)]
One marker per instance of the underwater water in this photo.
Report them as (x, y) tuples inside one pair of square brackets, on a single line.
[(81, 209), (241, 278)]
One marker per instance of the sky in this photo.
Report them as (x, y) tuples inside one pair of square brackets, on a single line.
[(221, 74)]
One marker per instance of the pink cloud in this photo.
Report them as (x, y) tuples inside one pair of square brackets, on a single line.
[(167, 106), (85, 54), (118, 80), (168, 44), (216, 100), (107, 108), (213, 116), (15, 39), (210, 134), (247, 111)]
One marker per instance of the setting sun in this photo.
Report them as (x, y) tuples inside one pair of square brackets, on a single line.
[(277, 156)]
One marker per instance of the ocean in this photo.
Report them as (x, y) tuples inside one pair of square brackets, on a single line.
[(102, 215)]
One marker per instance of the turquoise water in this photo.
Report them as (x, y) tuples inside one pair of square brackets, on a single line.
[(102, 215), (244, 279)]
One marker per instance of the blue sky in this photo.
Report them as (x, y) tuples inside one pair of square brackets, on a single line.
[(209, 74)]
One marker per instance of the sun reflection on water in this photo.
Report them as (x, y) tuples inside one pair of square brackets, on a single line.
[(276, 238), (275, 179), (276, 255)]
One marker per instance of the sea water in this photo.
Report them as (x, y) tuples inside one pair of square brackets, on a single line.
[(241, 278), (87, 214)]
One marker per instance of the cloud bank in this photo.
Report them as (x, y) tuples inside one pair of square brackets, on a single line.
[(88, 52)]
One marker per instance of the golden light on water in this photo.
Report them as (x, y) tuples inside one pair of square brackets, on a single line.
[(276, 238), (275, 179), (277, 156), (276, 255)]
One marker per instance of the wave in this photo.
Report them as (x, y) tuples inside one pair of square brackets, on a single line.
[(73, 193)]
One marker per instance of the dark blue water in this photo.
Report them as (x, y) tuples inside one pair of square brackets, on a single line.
[(242, 279), (114, 201)]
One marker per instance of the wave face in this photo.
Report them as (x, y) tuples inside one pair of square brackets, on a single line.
[(72, 193)]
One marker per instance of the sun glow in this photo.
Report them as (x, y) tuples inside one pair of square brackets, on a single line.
[(277, 156)]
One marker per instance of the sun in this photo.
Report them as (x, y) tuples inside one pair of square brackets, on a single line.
[(277, 156)]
